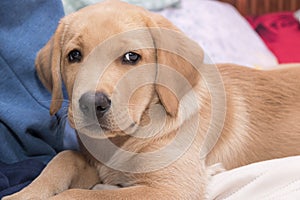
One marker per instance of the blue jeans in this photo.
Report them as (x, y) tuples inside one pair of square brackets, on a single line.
[(26, 128)]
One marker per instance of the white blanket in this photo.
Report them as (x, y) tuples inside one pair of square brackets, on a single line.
[(269, 180)]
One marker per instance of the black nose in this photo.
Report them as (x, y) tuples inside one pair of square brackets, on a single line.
[(92, 103)]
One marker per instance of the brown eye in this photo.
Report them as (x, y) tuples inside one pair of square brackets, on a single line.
[(130, 58), (74, 56)]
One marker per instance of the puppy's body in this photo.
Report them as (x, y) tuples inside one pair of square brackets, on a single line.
[(261, 119), (263, 114)]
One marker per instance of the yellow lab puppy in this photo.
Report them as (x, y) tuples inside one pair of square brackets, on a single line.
[(139, 88)]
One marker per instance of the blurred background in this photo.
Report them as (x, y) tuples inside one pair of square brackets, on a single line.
[(254, 33)]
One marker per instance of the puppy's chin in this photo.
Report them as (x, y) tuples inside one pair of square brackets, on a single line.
[(112, 124), (116, 131), (96, 131), (103, 128)]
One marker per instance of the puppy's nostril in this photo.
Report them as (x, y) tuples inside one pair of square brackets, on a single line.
[(101, 109), (102, 104)]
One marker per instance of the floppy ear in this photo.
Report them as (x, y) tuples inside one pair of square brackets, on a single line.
[(47, 64), (180, 54)]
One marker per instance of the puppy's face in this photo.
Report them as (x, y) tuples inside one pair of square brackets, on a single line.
[(113, 101), (107, 57)]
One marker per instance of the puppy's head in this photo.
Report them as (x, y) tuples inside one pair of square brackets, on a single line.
[(137, 47)]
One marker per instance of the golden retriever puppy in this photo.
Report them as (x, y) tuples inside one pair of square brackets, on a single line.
[(150, 114)]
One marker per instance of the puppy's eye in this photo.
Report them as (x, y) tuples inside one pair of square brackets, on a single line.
[(74, 56), (130, 58)]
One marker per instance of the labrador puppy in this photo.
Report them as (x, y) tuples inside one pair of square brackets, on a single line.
[(159, 114)]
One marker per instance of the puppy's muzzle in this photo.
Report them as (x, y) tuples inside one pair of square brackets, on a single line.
[(94, 103)]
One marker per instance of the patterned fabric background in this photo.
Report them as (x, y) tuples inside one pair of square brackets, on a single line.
[(154, 5)]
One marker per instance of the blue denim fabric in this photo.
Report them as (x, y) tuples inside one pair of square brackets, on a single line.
[(14, 177), (26, 128)]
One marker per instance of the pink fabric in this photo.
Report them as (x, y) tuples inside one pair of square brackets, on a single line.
[(281, 33)]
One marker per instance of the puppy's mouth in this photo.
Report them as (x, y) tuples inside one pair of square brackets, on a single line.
[(107, 126), (103, 131)]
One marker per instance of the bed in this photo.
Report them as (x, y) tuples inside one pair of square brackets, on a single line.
[(229, 31)]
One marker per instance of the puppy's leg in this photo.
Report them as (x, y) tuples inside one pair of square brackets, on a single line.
[(132, 193), (67, 170)]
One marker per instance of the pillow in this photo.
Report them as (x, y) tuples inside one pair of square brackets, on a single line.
[(297, 15), (281, 33), (222, 32)]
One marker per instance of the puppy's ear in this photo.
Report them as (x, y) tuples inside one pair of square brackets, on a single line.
[(177, 60), (48, 64)]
